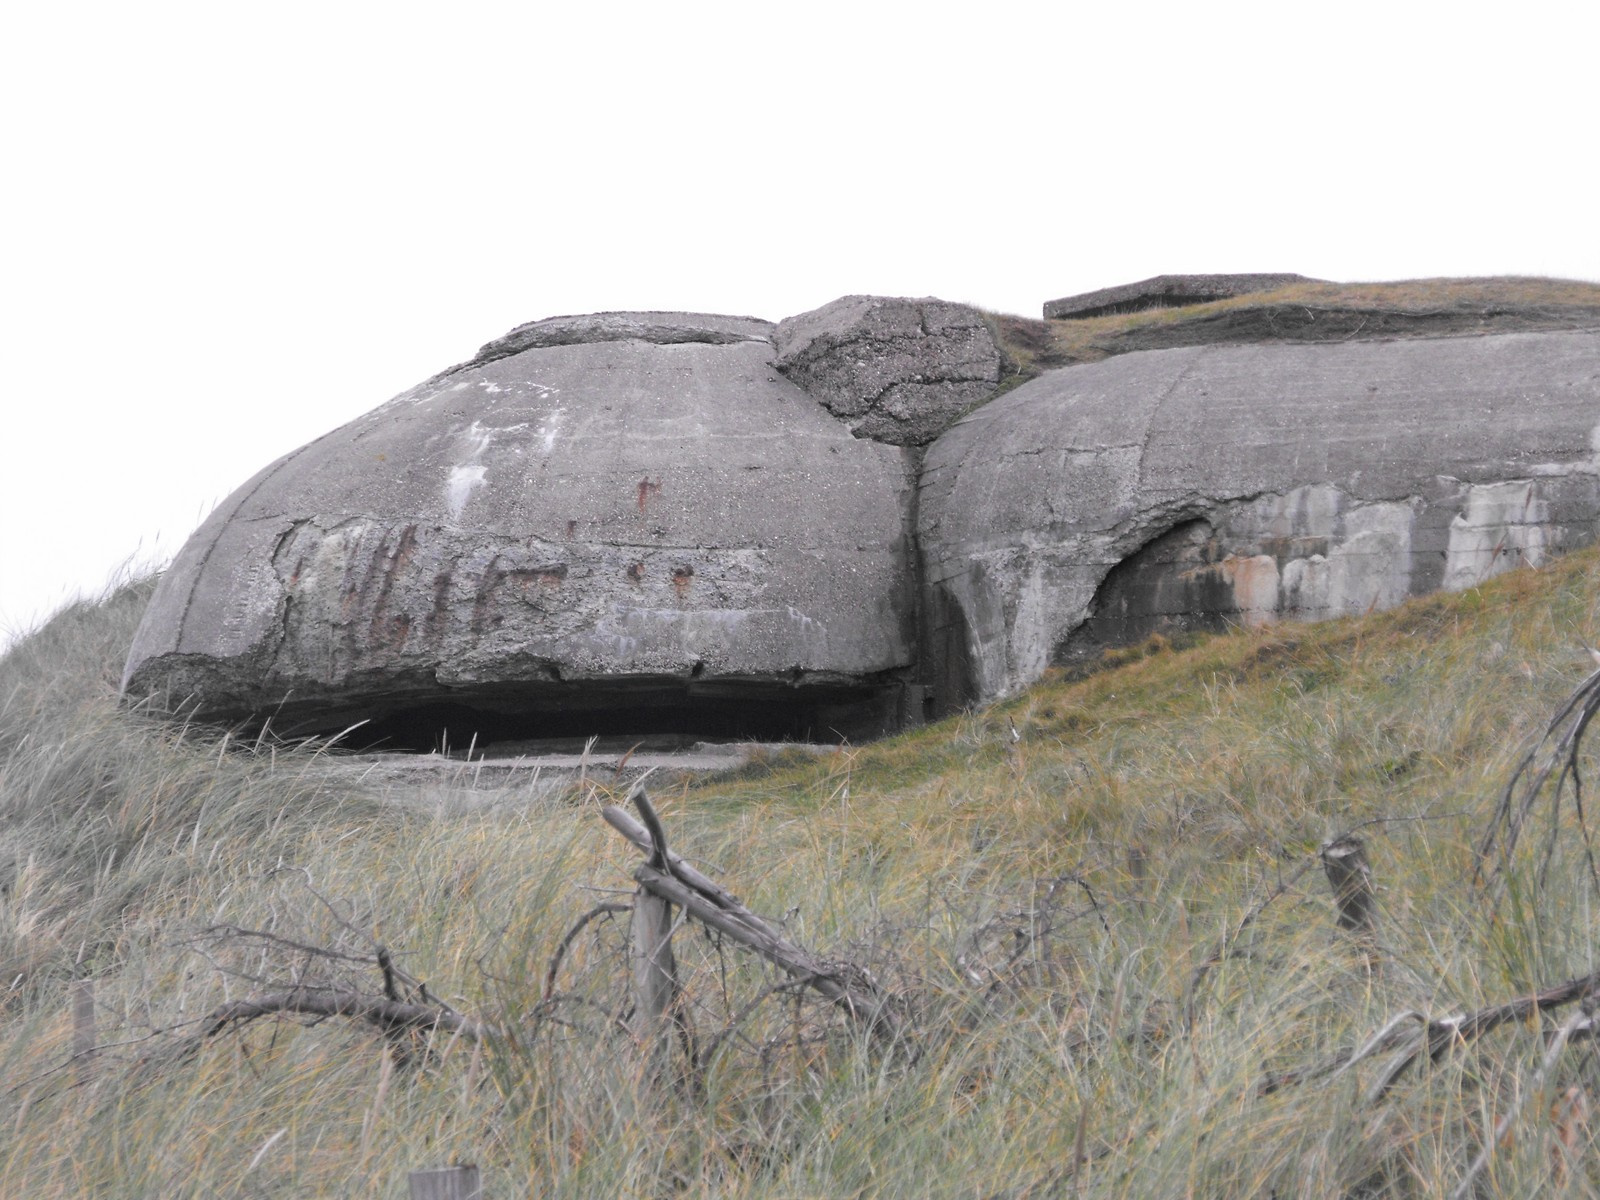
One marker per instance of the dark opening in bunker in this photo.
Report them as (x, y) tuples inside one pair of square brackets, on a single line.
[(1171, 585), (505, 723)]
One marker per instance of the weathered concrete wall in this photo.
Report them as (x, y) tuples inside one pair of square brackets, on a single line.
[(644, 513), (629, 511), (1189, 488)]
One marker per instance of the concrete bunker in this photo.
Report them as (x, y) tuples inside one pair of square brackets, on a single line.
[(628, 525), (656, 526), (1191, 488)]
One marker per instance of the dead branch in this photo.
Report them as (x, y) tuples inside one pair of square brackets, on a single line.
[(390, 1017), (668, 877), (1555, 753), (639, 835), (609, 908), (1436, 1039), (858, 998)]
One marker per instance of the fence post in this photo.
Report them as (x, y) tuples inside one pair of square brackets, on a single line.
[(655, 975), (1344, 860), (446, 1183)]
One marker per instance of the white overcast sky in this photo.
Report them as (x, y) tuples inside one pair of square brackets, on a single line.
[(228, 228)]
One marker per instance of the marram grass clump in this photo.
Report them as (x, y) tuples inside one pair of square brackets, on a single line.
[(1096, 910)]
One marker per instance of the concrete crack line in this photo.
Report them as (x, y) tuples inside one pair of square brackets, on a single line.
[(1150, 423)]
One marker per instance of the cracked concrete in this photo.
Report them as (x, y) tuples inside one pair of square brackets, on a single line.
[(680, 516), (671, 512), (898, 371), (1200, 487)]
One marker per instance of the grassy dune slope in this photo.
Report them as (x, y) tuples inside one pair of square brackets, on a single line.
[(1043, 911)]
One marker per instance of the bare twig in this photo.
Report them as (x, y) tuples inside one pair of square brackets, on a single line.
[(609, 908), (1226, 947), (238, 933), (1556, 753), (708, 1052)]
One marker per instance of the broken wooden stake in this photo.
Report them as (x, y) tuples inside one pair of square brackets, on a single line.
[(667, 877), (1344, 859), (655, 976)]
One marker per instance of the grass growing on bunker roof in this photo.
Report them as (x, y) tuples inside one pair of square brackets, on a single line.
[(1101, 937), (1309, 311)]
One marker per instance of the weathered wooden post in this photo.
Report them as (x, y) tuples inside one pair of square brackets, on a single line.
[(446, 1183), (1139, 873), (655, 973), (1344, 860)]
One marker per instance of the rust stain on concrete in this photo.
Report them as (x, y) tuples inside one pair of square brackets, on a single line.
[(682, 577)]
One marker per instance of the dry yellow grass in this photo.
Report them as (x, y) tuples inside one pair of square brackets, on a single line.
[(1414, 307), (1041, 911)]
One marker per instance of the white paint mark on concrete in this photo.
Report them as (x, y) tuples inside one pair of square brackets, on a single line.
[(547, 432), (459, 490), (468, 475), (1367, 566), (813, 633), (1503, 525)]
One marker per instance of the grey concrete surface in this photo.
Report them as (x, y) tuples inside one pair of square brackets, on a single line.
[(675, 523), (897, 371), (1193, 487), (662, 512), (1164, 291), (658, 328)]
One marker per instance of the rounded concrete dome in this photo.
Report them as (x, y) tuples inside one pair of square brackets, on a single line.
[(630, 513), (1199, 487)]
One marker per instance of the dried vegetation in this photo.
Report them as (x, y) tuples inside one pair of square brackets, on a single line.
[(1098, 916), (1310, 312)]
